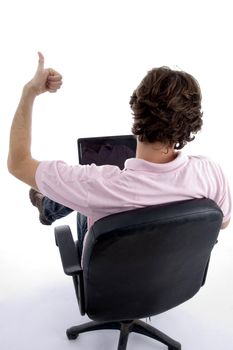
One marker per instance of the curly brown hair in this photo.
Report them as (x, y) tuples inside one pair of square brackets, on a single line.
[(167, 107)]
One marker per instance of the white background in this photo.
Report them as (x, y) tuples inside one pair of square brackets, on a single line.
[(103, 49)]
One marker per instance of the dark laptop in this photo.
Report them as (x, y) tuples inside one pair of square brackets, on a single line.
[(111, 150)]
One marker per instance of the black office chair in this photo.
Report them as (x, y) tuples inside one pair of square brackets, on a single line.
[(140, 263)]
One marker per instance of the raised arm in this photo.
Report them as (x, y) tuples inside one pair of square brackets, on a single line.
[(20, 161)]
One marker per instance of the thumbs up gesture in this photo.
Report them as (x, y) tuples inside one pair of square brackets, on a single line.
[(45, 79)]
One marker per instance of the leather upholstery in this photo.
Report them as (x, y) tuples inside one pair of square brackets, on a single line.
[(145, 261)]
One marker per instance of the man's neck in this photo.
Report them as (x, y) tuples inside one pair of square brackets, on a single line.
[(155, 152)]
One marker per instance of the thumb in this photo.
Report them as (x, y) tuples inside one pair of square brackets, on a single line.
[(41, 61)]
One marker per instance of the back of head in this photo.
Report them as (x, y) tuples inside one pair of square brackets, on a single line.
[(167, 107)]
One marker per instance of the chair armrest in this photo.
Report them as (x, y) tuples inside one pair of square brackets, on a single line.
[(68, 252)]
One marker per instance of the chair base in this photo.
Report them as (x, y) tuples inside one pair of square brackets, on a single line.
[(125, 328)]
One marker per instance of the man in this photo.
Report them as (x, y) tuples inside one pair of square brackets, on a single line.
[(167, 112)]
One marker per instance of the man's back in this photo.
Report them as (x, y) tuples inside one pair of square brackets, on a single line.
[(98, 191)]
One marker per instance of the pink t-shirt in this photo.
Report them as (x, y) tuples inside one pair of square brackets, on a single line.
[(98, 191)]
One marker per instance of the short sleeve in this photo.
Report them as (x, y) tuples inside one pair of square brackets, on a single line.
[(222, 194), (65, 184)]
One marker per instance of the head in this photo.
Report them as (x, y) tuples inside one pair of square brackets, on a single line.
[(167, 108)]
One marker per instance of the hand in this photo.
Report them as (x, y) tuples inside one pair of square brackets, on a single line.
[(45, 79)]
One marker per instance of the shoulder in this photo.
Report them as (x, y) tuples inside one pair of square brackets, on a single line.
[(208, 167), (203, 161)]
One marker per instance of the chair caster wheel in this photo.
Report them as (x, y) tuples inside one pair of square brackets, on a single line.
[(174, 347), (71, 336)]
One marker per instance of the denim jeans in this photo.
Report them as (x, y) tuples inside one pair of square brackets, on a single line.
[(53, 211)]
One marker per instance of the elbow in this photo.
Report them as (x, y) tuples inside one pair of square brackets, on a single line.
[(10, 166), (14, 168), (225, 224), (24, 170)]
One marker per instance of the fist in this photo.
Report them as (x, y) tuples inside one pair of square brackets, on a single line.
[(45, 79)]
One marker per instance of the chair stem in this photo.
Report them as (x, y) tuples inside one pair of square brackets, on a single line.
[(126, 328)]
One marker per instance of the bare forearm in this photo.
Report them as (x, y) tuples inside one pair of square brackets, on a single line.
[(20, 135)]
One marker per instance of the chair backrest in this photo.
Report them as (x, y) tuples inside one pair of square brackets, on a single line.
[(145, 261)]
